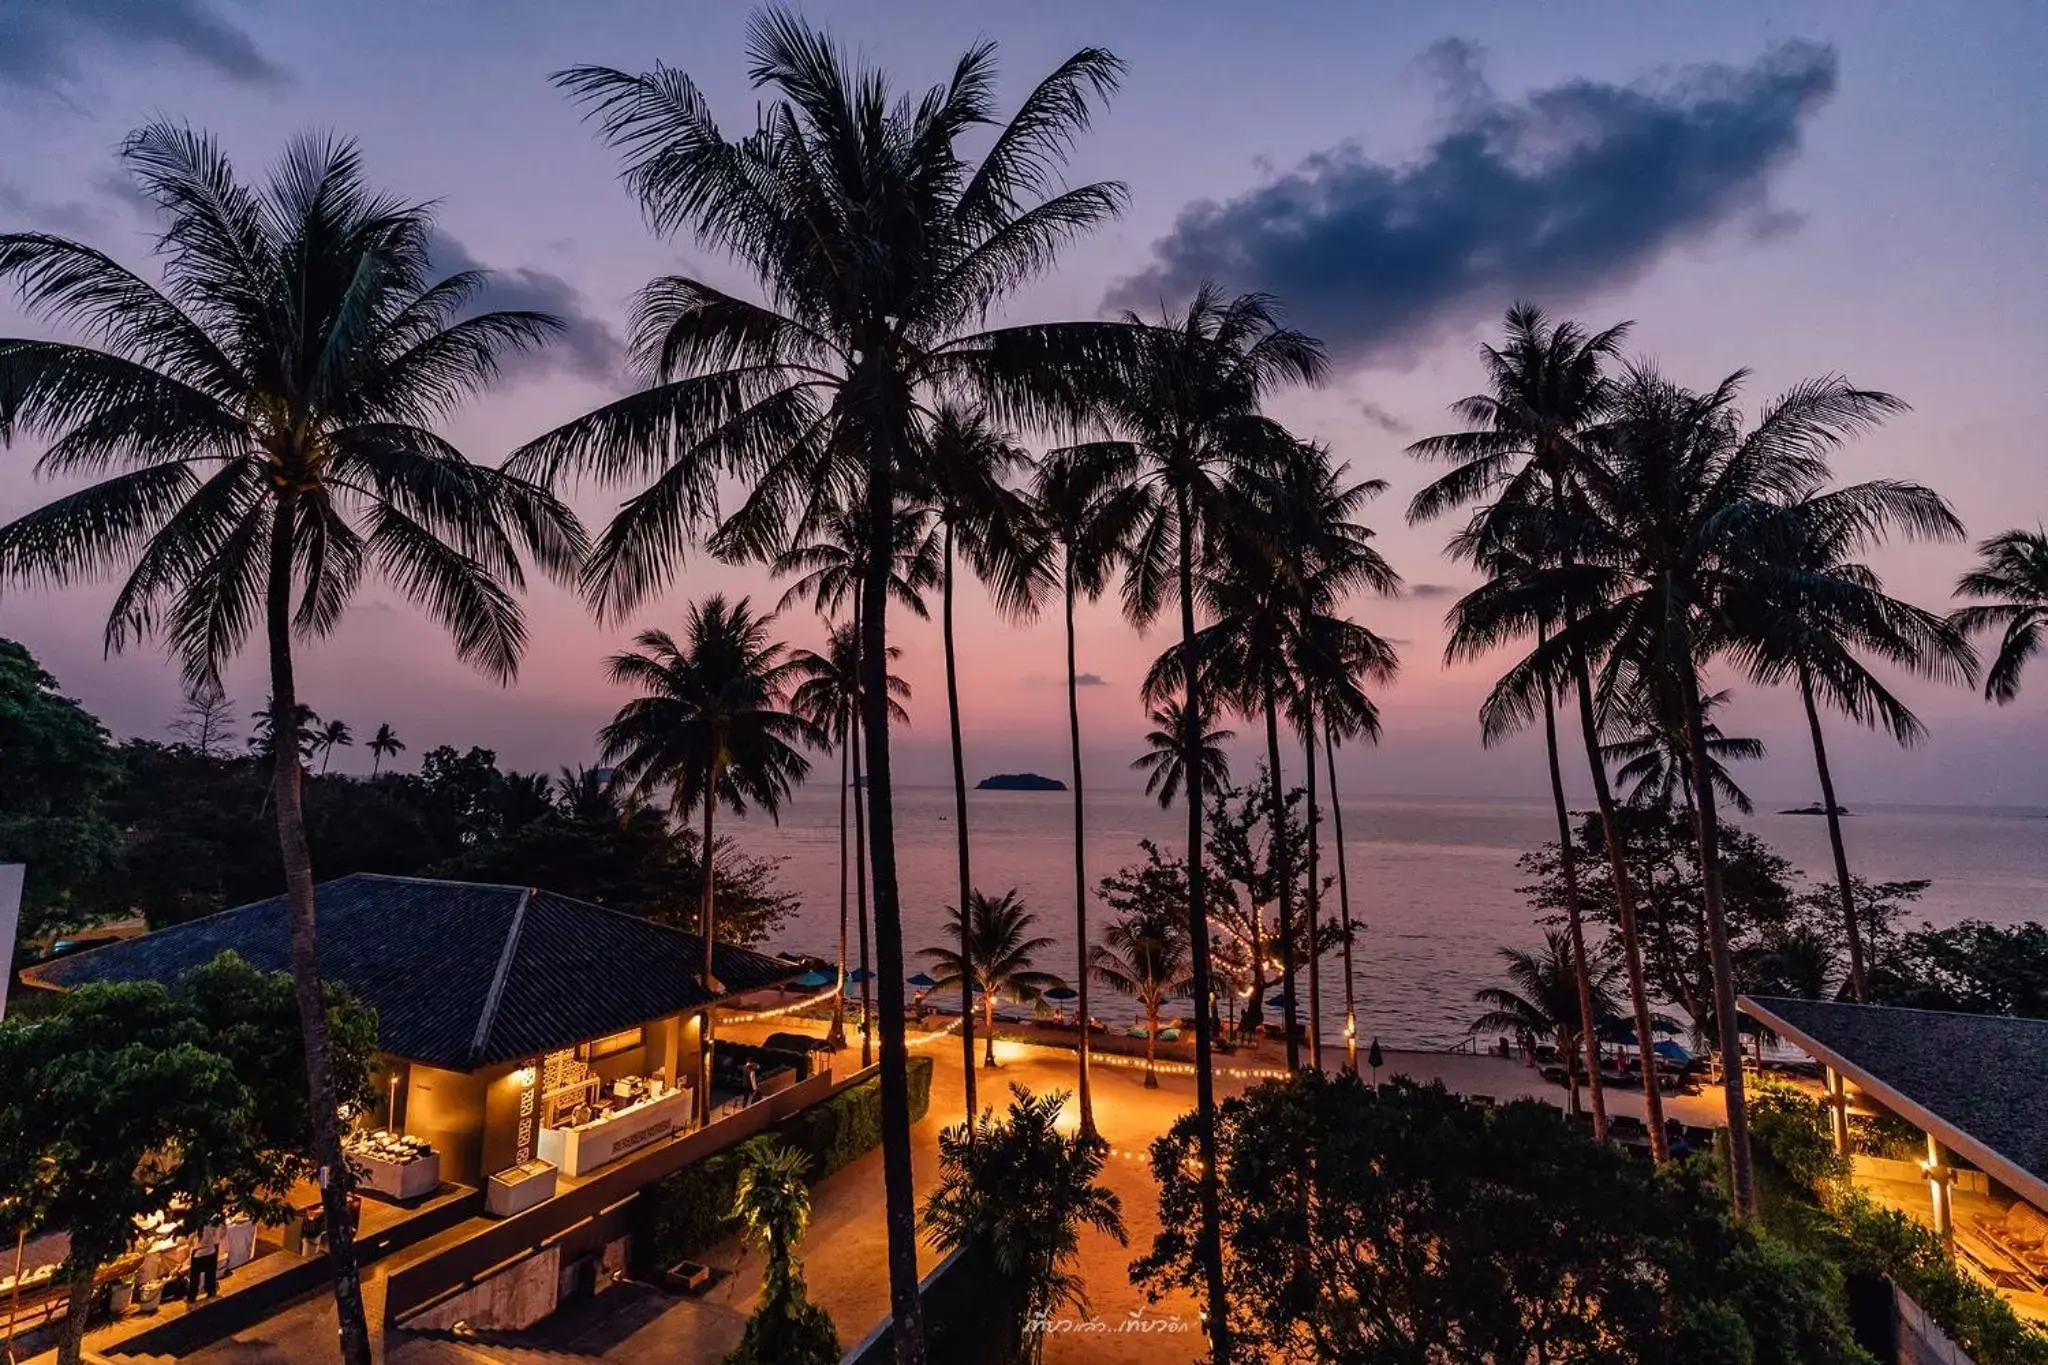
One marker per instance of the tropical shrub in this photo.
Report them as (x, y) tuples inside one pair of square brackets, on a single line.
[(1023, 1189), (773, 1205)]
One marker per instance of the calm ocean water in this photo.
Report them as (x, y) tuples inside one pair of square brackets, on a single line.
[(1433, 879)]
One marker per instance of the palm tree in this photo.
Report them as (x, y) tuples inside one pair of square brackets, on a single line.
[(1024, 1189), (1675, 499), (1653, 764), (1164, 761), (2011, 575), (993, 956), (1327, 555), (1187, 413), (335, 733), (1144, 954), (1526, 446), (880, 249), (305, 732), (827, 696), (1076, 505), (1542, 1000), (260, 429), (1806, 611), (963, 466), (384, 744), (711, 726), (773, 1205)]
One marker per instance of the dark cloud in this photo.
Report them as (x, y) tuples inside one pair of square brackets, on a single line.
[(1552, 196), (44, 43), (1378, 416), (1432, 590), (1090, 680), (589, 349), (21, 210)]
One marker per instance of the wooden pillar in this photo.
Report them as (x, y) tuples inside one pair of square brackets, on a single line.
[(1940, 1188), (1838, 1111)]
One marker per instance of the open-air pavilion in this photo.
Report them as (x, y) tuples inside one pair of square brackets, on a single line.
[(1976, 1088)]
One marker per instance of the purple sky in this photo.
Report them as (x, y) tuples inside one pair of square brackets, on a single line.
[(1793, 188)]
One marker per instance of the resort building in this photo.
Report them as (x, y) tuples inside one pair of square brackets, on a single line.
[(1945, 1118), (537, 1069)]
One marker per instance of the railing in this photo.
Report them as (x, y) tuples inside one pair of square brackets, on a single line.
[(594, 1212)]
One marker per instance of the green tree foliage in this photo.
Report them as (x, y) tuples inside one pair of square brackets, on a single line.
[(1025, 1190), (1405, 1224), (129, 1097), (58, 766), (1972, 967), (192, 838), (1760, 898)]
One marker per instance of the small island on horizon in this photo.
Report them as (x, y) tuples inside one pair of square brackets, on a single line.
[(1020, 782), (1816, 809)]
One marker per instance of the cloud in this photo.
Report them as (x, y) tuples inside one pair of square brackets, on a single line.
[(19, 209), (1379, 417), (589, 349), (1090, 680), (1564, 191), (1432, 590), (43, 42)]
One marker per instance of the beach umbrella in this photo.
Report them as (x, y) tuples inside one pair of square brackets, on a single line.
[(922, 982), (811, 981), (1063, 993), (861, 974), (1672, 1052), (1375, 1060)]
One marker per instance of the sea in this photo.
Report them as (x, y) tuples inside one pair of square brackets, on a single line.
[(1434, 880)]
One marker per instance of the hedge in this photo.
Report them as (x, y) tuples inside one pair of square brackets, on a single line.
[(690, 1212), (1805, 1199)]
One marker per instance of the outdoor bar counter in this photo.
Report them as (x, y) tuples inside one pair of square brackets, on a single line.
[(581, 1148)]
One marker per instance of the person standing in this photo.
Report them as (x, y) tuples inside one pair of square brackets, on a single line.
[(205, 1268), (752, 1072)]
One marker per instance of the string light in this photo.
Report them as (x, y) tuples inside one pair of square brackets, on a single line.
[(755, 1016)]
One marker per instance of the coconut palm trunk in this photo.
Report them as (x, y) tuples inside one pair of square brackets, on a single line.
[(899, 1193), (860, 903), (1850, 926), (1625, 911), (1315, 895), (1283, 868), (1726, 1025), (966, 878), (835, 1037), (1568, 862), (705, 928), (1152, 1042), (1344, 903), (1087, 1098), (1210, 1233), (307, 988)]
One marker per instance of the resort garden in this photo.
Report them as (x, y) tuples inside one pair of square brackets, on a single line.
[(253, 429)]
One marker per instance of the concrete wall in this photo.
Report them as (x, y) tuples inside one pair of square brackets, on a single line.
[(1921, 1342), (508, 1302)]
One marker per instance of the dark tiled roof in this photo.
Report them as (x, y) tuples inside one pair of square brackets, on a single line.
[(461, 975), (1984, 1075)]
